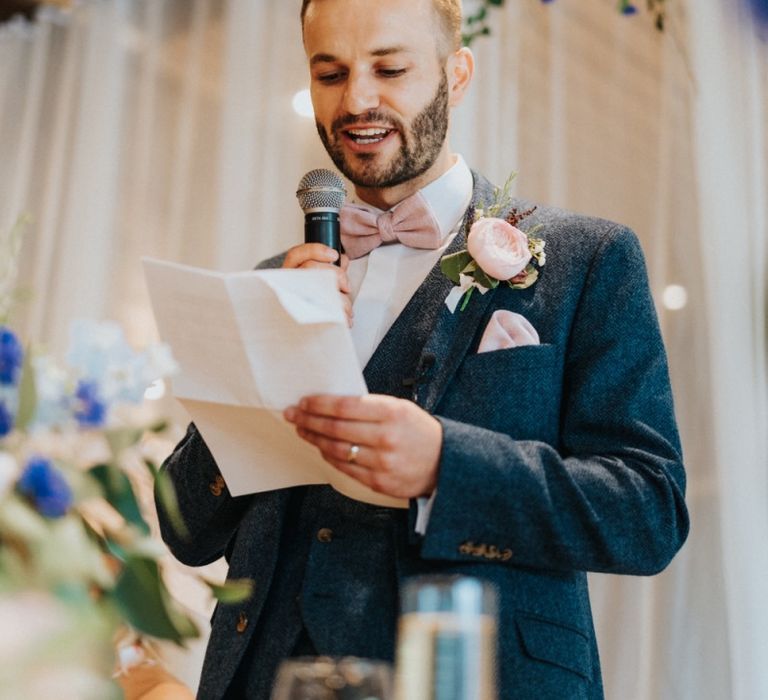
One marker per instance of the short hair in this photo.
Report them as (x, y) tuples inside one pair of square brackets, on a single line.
[(448, 12)]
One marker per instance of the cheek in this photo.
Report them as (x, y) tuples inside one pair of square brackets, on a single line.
[(322, 107)]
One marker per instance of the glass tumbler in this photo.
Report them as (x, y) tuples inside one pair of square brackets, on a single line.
[(446, 646), (326, 678)]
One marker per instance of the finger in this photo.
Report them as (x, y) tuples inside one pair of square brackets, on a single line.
[(342, 281), (374, 408), (357, 432), (346, 302), (361, 474), (344, 261), (341, 274), (300, 254), (338, 450)]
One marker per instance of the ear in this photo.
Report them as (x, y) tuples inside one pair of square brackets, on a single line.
[(460, 67)]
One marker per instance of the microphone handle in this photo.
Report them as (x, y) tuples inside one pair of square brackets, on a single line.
[(323, 227)]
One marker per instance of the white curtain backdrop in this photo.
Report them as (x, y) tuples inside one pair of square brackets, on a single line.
[(165, 128)]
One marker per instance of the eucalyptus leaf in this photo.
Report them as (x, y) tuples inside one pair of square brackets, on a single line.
[(115, 549), (169, 502), (144, 601), (27, 393), (119, 493), (453, 265), (120, 439), (151, 467), (485, 280), (233, 591), (158, 427)]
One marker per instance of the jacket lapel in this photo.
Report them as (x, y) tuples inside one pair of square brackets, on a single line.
[(427, 342)]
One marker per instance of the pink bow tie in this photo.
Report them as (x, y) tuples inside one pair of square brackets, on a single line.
[(411, 222)]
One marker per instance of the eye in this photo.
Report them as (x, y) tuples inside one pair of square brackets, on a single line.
[(330, 77), (391, 72)]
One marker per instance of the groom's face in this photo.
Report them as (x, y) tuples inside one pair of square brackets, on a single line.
[(379, 88)]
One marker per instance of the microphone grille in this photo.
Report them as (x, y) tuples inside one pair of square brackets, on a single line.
[(321, 189)]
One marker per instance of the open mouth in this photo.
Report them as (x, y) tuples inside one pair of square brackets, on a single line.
[(364, 137)]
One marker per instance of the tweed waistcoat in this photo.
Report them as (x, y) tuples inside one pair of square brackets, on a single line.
[(328, 538)]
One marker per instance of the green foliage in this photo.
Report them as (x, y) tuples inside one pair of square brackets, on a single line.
[(143, 600), (169, 502), (453, 265), (480, 22), (233, 591), (119, 494), (502, 197), (27, 393), (10, 247)]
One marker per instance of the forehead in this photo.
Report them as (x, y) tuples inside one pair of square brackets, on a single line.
[(349, 28)]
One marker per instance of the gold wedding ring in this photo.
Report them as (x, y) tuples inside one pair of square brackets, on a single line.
[(354, 450)]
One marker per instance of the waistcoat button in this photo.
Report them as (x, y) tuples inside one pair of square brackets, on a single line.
[(216, 487), (325, 534), (242, 623)]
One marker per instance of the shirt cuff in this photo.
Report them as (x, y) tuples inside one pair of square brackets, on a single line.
[(423, 510)]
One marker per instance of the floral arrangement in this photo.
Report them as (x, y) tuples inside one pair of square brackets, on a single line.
[(28, 8), (78, 562), (477, 23), (497, 251)]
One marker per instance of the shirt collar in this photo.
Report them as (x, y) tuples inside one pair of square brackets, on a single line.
[(448, 196)]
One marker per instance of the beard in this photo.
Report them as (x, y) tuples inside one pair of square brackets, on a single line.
[(421, 144)]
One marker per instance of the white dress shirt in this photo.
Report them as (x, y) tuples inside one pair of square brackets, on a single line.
[(383, 281)]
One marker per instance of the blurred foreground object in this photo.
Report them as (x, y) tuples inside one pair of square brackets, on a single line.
[(142, 676), (446, 645), (78, 561), (325, 678)]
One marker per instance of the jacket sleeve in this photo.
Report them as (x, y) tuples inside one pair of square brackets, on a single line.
[(608, 494), (210, 514)]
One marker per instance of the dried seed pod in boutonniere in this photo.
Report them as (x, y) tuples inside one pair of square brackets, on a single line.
[(497, 251)]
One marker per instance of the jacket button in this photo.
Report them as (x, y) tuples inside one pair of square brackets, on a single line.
[(242, 623), (325, 534), (216, 487)]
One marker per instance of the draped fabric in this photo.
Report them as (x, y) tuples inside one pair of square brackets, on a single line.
[(165, 128)]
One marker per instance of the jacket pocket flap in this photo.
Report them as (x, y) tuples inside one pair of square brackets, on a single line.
[(555, 643)]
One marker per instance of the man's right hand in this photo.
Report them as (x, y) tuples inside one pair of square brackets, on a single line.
[(319, 256)]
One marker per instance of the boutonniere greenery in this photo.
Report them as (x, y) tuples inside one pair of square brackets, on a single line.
[(497, 251)]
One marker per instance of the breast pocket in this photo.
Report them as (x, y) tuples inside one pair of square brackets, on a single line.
[(515, 391)]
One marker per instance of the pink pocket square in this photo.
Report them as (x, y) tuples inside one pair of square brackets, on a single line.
[(506, 329)]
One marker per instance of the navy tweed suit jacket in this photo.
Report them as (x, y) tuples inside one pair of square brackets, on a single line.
[(557, 459)]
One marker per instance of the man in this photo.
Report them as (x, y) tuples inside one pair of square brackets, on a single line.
[(525, 466)]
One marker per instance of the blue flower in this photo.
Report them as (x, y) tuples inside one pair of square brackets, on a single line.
[(90, 409), (46, 487), (760, 10), (11, 356), (627, 8), (6, 419)]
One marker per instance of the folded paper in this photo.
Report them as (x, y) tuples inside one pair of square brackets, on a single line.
[(250, 344)]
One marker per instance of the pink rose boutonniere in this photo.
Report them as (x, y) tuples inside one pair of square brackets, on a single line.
[(497, 251)]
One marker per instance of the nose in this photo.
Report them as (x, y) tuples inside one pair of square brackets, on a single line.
[(361, 94)]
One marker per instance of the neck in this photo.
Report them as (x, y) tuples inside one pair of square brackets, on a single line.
[(386, 197)]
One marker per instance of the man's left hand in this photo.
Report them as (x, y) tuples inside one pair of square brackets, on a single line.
[(398, 442)]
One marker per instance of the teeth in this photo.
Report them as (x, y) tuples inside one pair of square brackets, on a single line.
[(368, 132)]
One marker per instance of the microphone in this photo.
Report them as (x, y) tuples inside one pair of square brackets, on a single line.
[(321, 195), (422, 376)]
